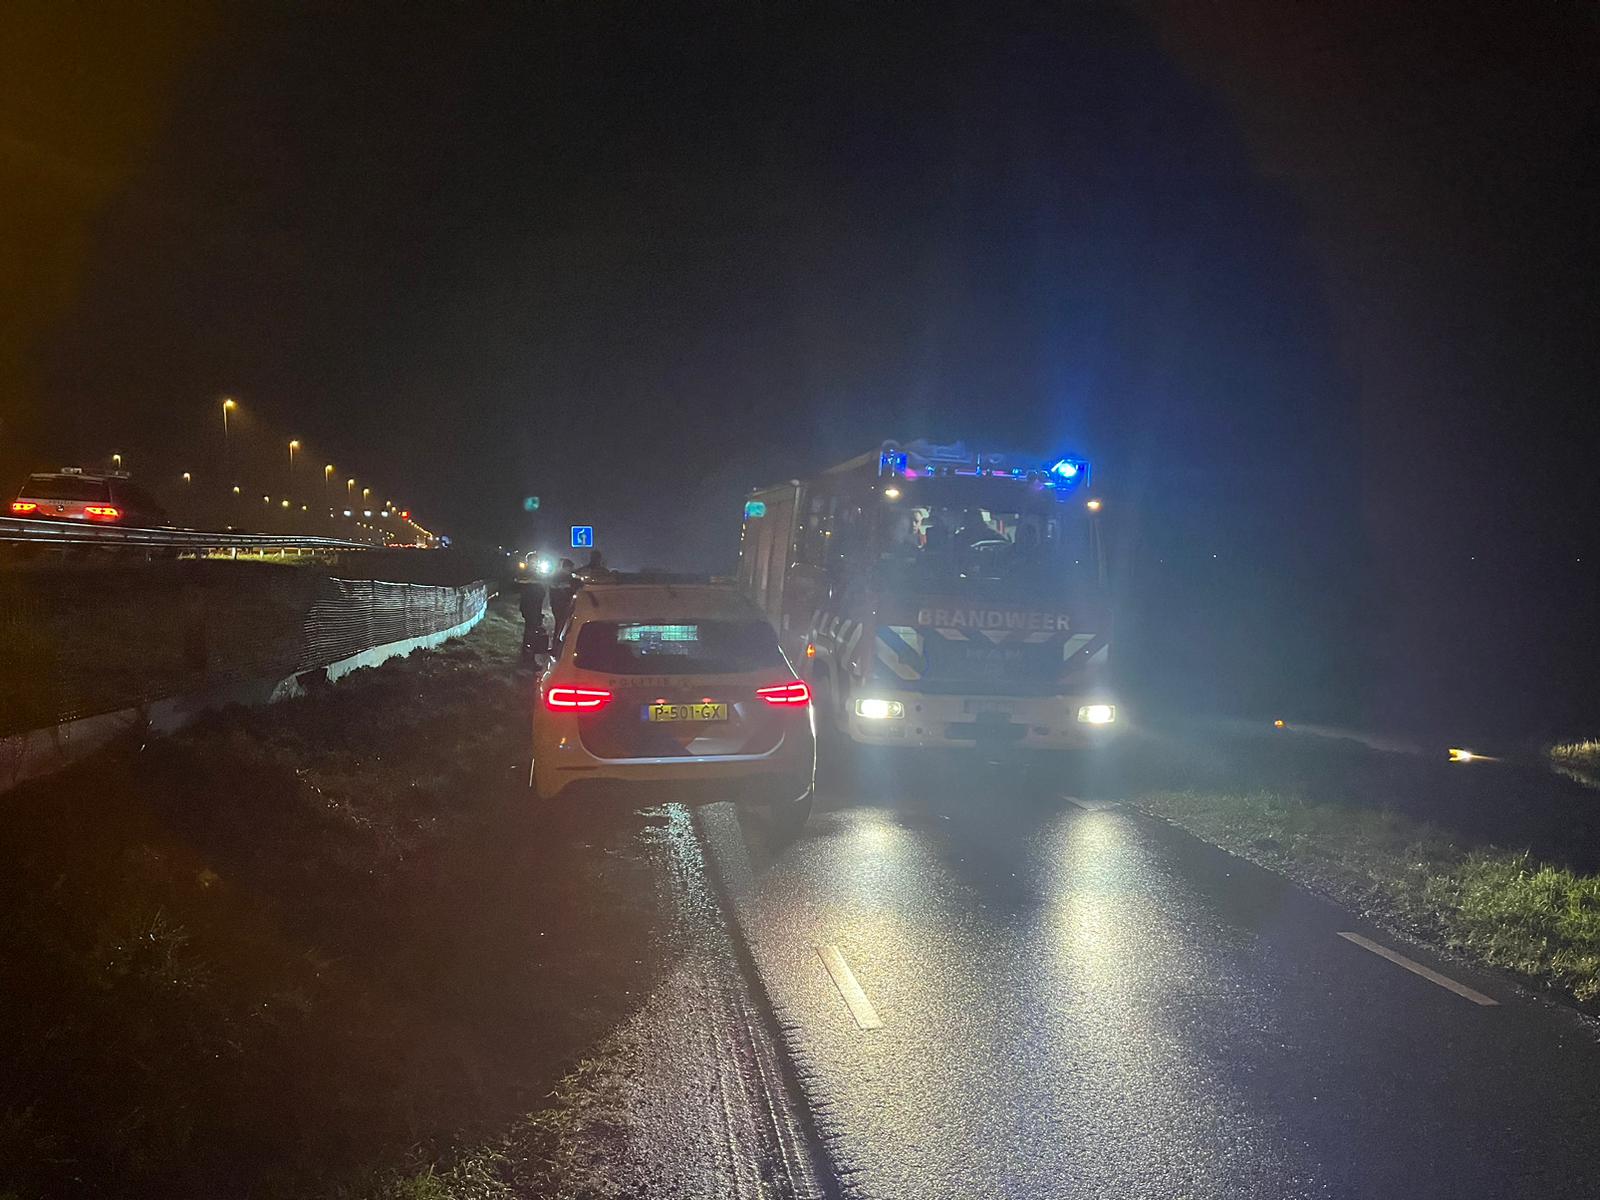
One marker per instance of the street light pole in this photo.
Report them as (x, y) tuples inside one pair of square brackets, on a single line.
[(228, 405)]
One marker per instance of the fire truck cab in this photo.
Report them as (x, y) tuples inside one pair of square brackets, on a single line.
[(933, 596)]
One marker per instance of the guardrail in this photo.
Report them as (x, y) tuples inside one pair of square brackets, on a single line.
[(80, 533)]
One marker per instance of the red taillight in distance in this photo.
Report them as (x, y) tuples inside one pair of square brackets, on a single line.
[(561, 698), (21, 508), (102, 512), (794, 694)]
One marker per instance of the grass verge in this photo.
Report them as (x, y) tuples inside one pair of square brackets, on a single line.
[(311, 950), (1578, 761), (1501, 907)]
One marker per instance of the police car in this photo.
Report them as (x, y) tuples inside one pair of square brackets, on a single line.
[(672, 690)]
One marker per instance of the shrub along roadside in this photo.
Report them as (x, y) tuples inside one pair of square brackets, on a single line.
[(1500, 907), (1578, 761)]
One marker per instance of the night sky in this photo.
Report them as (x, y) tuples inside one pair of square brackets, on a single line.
[(1317, 291)]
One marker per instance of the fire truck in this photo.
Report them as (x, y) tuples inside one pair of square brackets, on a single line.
[(934, 596)]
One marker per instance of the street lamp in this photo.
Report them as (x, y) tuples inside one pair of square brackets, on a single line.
[(116, 462), (188, 478), (365, 492), (228, 405), (294, 444), (350, 489)]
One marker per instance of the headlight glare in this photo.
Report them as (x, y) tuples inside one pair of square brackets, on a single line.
[(880, 710), (1097, 714)]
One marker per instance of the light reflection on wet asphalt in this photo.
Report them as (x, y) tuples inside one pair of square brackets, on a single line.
[(1090, 1003), (704, 1110)]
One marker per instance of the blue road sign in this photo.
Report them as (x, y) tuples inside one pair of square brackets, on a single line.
[(583, 537)]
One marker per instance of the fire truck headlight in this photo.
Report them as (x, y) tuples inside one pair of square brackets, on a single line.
[(880, 710), (1097, 714)]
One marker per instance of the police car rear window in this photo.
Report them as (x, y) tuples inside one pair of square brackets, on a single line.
[(677, 647), (64, 487)]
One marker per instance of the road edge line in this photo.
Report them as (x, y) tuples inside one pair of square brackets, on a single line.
[(1418, 969), (1523, 987)]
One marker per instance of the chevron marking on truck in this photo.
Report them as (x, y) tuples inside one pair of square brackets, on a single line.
[(1074, 644), (900, 649)]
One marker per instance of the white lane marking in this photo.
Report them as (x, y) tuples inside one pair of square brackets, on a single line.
[(1416, 968), (1091, 805), (845, 980)]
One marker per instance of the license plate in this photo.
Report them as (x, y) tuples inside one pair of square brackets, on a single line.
[(990, 708), (688, 712)]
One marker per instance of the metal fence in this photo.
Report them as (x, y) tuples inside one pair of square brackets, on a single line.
[(80, 642), (24, 530)]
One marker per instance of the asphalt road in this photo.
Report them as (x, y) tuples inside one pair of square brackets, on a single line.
[(704, 1107), (1089, 1003)]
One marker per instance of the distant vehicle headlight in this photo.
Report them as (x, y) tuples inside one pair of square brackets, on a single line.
[(880, 710), (1097, 714)]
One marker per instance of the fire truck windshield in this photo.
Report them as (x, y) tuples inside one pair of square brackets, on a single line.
[(945, 533)]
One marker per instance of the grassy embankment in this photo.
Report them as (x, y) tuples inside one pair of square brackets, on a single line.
[(312, 950), (1433, 850), (1578, 761)]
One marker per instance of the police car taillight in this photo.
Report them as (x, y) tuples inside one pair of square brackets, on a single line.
[(786, 695), (576, 699)]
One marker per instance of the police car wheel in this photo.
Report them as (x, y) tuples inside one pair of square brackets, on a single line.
[(789, 817)]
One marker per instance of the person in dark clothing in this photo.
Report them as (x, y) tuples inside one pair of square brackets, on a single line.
[(531, 602), (974, 529), (562, 592), (594, 570)]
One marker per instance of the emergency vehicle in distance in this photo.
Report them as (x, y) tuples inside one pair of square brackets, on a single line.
[(933, 596)]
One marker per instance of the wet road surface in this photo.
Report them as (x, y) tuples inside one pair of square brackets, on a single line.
[(990, 996), (704, 1106)]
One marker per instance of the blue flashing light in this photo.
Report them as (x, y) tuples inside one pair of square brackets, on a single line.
[(892, 462), (1067, 468), (754, 509)]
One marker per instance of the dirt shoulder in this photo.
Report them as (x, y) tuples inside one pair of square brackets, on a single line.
[(312, 949)]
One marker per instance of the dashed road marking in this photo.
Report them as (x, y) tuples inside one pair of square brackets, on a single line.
[(845, 980), (1416, 968), (1091, 805)]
